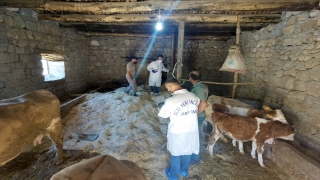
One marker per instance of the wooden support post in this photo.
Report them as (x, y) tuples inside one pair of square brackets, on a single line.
[(172, 52), (235, 78), (180, 49)]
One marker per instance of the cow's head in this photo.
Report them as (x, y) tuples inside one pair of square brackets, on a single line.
[(280, 117), (286, 132), (275, 115)]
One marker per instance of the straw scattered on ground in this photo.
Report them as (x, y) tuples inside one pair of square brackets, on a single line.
[(130, 129)]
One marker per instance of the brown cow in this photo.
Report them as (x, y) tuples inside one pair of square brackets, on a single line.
[(232, 106), (270, 114), (227, 101), (244, 129), (25, 120), (102, 167), (223, 101)]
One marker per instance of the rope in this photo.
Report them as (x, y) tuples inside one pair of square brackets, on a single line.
[(174, 68)]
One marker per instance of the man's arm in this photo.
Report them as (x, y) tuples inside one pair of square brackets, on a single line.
[(165, 111), (150, 67), (129, 74), (164, 68), (203, 99), (202, 106)]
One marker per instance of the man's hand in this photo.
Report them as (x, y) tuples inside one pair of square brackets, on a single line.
[(154, 71), (160, 105)]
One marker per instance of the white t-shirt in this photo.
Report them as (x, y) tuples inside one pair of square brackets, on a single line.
[(183, 135)]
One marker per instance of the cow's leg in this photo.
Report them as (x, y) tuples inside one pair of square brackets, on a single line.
[(212, 140), (56, 137), (234, 142), (241, 147), (260, 152), (254, 148)]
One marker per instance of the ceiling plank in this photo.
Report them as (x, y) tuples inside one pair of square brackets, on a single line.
[(173, 18), (103, 8)]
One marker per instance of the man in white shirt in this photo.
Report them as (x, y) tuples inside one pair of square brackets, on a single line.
[(156, 68), (183, 135)]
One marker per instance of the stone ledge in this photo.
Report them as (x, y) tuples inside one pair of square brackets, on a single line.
[(294, 162), (66, 107)]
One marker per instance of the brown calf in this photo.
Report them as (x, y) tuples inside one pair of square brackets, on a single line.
[(265, 114), (244, 129), (275, 115)]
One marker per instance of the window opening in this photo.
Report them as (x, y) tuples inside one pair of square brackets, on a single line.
[(53, 67)]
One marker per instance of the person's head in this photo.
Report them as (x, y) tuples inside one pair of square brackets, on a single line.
[(160, 58), (172, 84), (194, 76), (134, 60)]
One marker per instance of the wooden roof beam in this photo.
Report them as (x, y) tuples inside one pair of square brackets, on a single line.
[(174, 18), (147, 26), (100, 8)]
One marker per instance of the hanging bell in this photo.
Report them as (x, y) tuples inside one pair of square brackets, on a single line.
[(234, 61)]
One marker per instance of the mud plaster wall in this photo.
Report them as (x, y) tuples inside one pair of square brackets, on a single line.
[(109, 56), (286, 56), (22, 39)]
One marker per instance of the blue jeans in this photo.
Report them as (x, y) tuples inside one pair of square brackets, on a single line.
[(132, 86), (196, 157), (155, 89), (178, 163)]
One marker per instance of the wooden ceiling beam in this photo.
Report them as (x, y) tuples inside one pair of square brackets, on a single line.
[(149, 27), (173, 18), (163, 32), (168, 28), (103, 8), (216, 38)]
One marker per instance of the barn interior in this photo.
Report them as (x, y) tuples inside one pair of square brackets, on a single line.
[(88, 43)]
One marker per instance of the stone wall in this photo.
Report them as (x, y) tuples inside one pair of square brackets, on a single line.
[(22, 40), (110, 55), (286, 57), (207, 56)]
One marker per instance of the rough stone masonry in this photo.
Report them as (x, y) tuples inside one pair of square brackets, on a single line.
[(22, 40), (286, 57)]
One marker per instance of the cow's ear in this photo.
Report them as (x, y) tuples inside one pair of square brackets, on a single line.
[(266, 108), (269, 116)]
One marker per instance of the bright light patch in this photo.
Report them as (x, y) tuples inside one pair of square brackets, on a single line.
[(159, 26)]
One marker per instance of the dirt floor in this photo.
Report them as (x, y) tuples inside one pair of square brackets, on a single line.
[(130, 129)]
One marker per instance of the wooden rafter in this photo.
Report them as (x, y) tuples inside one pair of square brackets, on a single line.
[(152, 5), (174, 18)]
